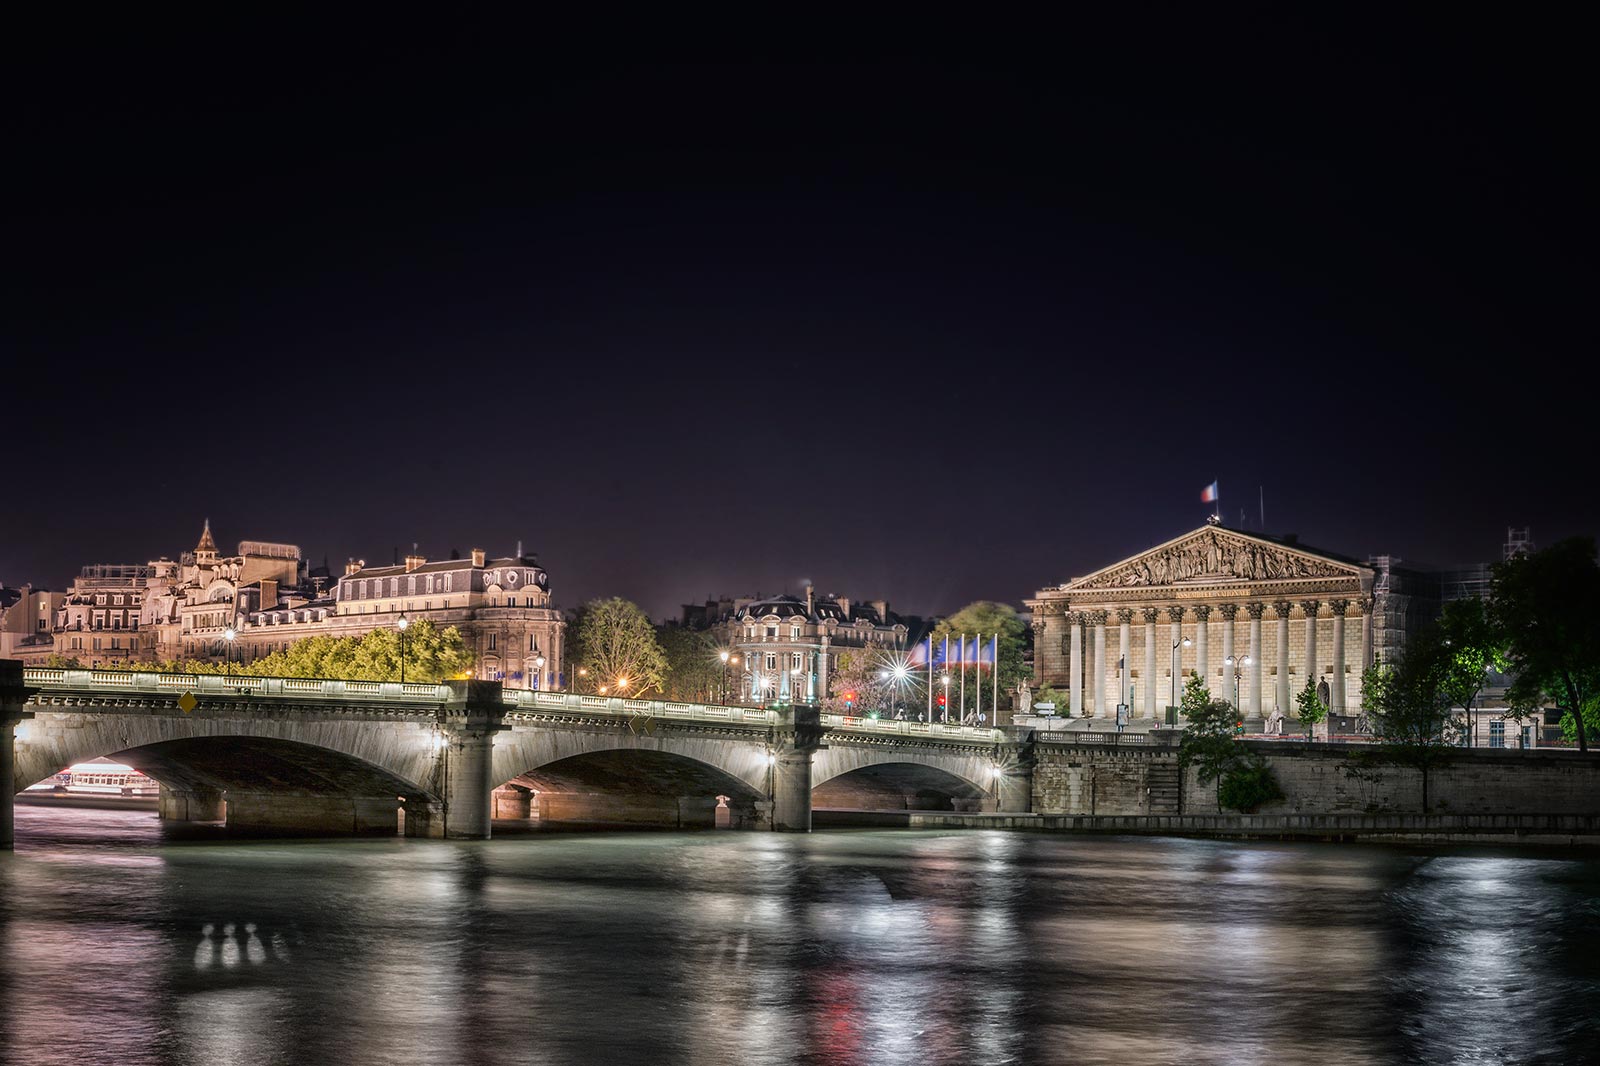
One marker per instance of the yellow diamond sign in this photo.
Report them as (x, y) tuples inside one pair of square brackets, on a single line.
[(187, 702)]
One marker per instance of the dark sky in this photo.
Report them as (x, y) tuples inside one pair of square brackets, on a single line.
[(925, 312)]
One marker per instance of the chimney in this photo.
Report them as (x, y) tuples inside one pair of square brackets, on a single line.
[(353, 565), (269, 594), (414, 561), (882, 607), (479, 557), (844, 607), (811, 599)]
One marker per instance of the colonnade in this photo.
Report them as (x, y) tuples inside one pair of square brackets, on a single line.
[(1241, 674)]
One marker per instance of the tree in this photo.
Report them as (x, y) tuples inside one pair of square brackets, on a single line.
[(694, 673), (1411, 716), (856, 683), (1244, 781), (431, 655), (1469, 646), (620, 649), (58, 661), (982, 619), (1311, 709), (1543, 605)]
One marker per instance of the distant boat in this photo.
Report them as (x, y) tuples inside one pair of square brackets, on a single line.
[(97, 777)]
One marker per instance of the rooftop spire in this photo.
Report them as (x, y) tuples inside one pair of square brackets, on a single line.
[(207, 544)]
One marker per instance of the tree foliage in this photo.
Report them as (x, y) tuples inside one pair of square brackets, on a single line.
[(856, 684), (1310, 707), (982, 619), (1544, 605), (619, 648), (694, 672), (1244, 781)]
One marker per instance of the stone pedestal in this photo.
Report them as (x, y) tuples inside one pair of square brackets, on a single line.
[(796, 737), (13, 695)]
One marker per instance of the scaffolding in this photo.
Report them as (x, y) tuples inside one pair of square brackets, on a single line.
[(1518, 542)]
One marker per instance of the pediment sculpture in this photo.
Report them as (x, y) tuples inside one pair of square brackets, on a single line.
[(1213, 556)]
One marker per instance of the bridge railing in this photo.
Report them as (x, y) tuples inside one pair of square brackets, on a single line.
[(228, 685), (574, 703), (394, 691)]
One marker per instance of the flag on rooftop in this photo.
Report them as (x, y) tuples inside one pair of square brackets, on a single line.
[(1209, 493)]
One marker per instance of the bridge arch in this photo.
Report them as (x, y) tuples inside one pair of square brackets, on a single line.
[(607, 778), (873, 778)]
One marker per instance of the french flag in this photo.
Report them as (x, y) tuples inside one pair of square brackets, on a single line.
[(1209, 493)]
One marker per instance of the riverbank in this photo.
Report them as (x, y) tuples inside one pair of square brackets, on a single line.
[(1541, 830), (90, 802)]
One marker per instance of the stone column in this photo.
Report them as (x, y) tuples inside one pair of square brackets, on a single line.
[(1124, 624), (1150, 616), (822, 669), (1336, 704), (1365, 605), (1253, 704), (1283, 694), (468, 724), (1099, 619), (1228, 612), (13, 696), (1075, 666), (1312, 608), (1175, 682), (796, 737), (1202, 644)]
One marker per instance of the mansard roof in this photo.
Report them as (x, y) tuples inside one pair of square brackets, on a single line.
[(1221, 556)]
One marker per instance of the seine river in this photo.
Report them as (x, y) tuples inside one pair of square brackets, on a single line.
[(119, 946)]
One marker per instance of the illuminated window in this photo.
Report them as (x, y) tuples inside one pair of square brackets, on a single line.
[(1497, 734)]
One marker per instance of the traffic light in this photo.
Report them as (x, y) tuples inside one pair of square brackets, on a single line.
[(849, 700), (941, 702), (1238, 727)]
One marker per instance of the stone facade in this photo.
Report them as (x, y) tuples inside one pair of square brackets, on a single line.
[(1255, 616), (783, 647)]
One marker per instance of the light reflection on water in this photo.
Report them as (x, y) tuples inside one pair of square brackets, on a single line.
[(117, 945)]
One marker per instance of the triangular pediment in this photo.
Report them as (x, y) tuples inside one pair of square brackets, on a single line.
[(1216, 555)]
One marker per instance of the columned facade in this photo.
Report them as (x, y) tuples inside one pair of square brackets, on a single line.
[(1210, 575)]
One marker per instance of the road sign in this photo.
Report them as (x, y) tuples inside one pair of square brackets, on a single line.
[(187, 702), (1047, 705)]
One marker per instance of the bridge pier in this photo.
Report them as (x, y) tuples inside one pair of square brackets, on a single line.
[(424, 818), (795, 739), (468, 730), (1014, 778), (13, 694), (191, 805)]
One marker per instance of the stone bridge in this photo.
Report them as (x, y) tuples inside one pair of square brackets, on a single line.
[(363, 756)]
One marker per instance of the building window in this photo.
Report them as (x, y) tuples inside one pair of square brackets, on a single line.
[(447, 582), (795, 661), (1497, 734), (772, 632), (411, 585), (491, 641), (511, 601), (772, 661), (117, 600)]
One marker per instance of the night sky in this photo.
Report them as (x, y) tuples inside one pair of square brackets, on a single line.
[(921, 312)]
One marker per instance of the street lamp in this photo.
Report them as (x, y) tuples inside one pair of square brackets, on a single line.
[(538, 664), (402, 624), (228, 635), (1184, 643), (1237, 673), (901, 672), (726, 657), (944, 679)]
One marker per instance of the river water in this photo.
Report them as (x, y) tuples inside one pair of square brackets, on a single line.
[(121, 946)]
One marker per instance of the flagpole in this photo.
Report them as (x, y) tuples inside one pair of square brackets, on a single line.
[(977, 678), (963, 678), (930, 677), (945, 663), (995, 666)]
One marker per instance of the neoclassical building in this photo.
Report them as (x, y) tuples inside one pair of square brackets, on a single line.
[(1238, 609)]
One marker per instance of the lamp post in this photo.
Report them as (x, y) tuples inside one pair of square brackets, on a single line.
[(726, 658), (944, 680), (538, 664), (901, 671), (229, 635), (1237, 664), (1184, 643), (402, 624)]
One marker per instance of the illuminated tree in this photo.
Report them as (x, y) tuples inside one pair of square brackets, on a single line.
[(982, 619), (620, 649), (1310, 707), (1543, 605)]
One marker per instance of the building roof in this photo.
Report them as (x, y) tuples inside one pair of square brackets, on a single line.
[(207, 542)]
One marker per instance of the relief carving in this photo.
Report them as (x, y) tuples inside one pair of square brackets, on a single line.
[(1212, 555)]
